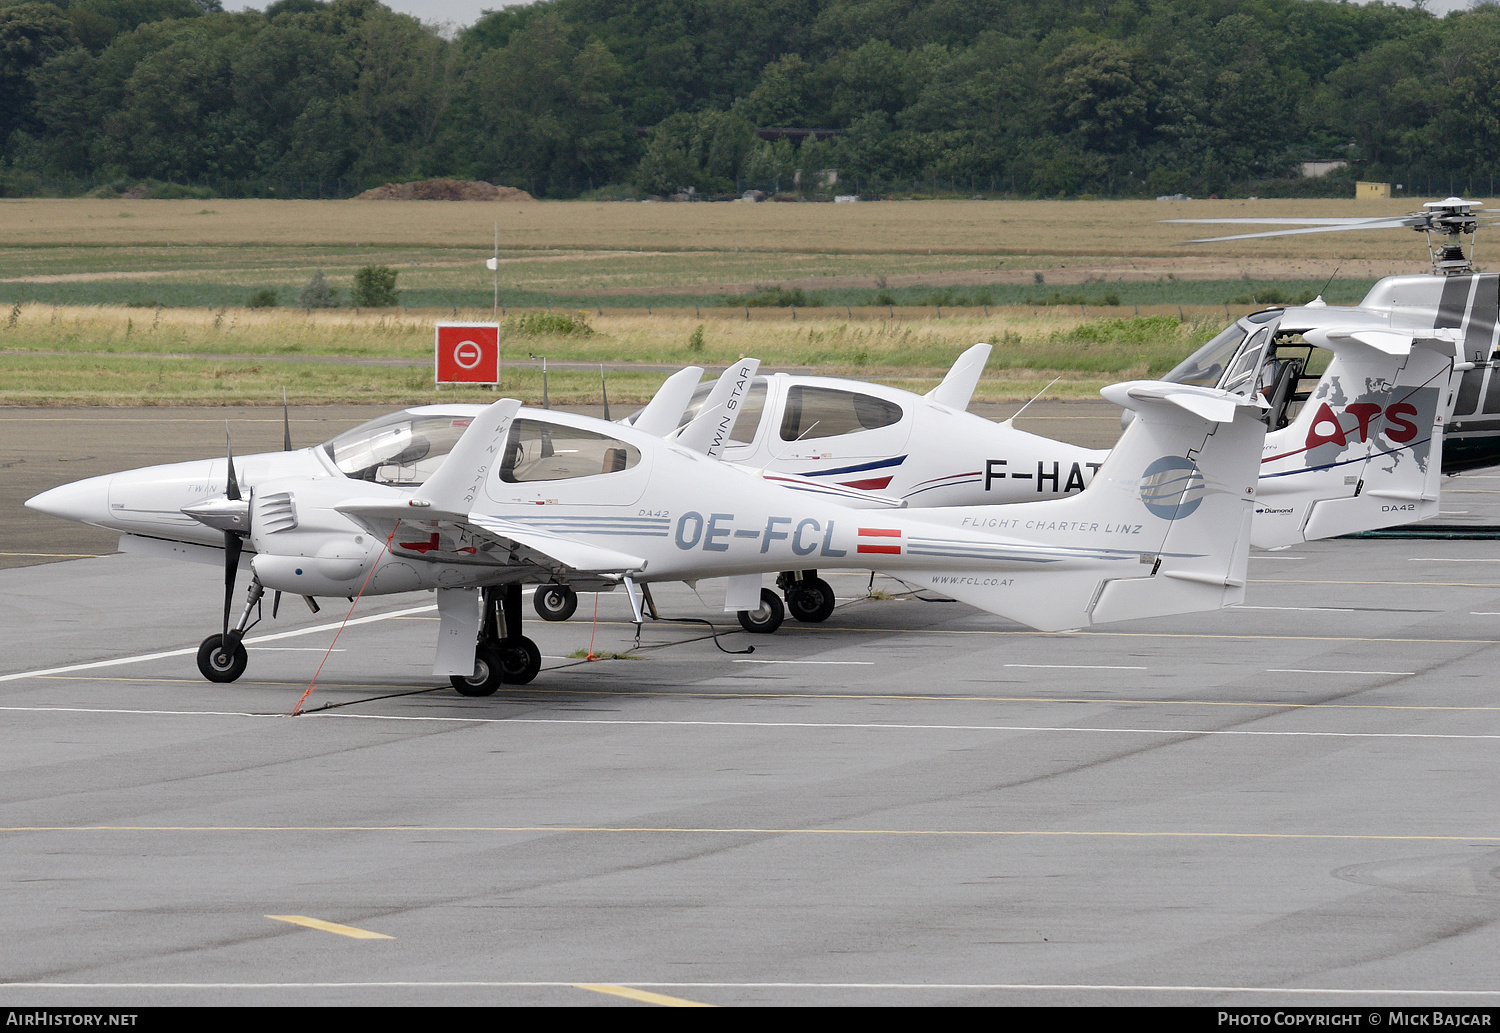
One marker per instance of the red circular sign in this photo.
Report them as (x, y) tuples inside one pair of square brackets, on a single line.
[(467, 354)]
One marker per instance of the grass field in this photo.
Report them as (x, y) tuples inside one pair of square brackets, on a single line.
[(140, 302), (120, 356)]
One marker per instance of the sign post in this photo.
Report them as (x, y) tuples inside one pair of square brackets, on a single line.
[(466, 353)]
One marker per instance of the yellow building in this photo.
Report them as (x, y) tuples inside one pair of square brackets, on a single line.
[(1371, 191)]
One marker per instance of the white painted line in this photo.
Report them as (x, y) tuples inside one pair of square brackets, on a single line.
[(296, 649), (1297, 670), (1445, 559), (568, 983), (1319, 609), (1078, 667), (824, 663), (191, 650), (841, 725), (1484, 613), (1255, 556)]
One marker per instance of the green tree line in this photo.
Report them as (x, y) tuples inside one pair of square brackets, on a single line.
[(563, 97)]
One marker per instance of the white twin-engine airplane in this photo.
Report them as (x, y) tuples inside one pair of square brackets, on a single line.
[(1356, 413), (535, 496)]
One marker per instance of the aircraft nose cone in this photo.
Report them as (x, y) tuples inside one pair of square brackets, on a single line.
[(85, 501)]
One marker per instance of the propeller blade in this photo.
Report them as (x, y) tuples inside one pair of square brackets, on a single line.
[(232, 485), (286, 424), (604, 391), (232, 549)]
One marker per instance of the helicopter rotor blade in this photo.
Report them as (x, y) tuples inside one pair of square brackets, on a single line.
[(1384, 224), (286, 424)]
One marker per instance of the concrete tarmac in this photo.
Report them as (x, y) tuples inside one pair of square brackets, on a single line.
[(1291, 802)]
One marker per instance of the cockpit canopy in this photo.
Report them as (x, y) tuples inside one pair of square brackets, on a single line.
[(402, 449), (1255, 355), (405, 448)]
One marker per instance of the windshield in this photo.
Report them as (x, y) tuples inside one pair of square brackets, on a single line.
[(1206, 366), (401, 449)]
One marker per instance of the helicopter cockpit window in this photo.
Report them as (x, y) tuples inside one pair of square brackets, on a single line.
[(1252, 369), (822, 412), (1205, 367), (402, 449), (751, 408), (537, 451)]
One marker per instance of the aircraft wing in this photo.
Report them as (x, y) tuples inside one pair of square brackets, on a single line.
[(525, 545)]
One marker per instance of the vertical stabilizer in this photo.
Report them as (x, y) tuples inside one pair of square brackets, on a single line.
[(1163, 528), (663, 414), (958, 386), (711, 431), (1365, 451)]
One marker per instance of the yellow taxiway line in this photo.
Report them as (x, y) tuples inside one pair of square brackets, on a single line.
[(331, 927), (644, 996)]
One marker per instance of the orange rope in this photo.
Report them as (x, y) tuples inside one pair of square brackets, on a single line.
[(595, 628), (384, 549)]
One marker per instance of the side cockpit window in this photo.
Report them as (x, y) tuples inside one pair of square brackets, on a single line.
[(751, 408), (402, 449), (537, 451), (821, 412)]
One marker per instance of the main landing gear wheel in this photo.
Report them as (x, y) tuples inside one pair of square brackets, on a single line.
[(488, 667), (520, 660), (555, 602), (219, 664), (766, 619), (810, 601)]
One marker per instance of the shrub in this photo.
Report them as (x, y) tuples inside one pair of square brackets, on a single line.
[(375, 287), (1272, 296), (539, 324), (695, 339), (776, 297), (263, 298), (317, 293)]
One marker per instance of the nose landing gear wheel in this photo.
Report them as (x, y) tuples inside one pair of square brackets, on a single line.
[(810, 601), (486, 677), (766, 619), (555, 602), (219, 664)]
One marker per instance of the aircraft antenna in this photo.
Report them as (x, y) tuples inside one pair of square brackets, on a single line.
[(1011, 419)]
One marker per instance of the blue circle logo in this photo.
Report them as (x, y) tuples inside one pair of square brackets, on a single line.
[(1172, 487)]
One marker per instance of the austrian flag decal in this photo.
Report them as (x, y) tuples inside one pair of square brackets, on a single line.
[(890, 548)]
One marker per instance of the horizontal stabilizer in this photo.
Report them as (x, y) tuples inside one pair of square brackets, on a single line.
[(1204, 402)]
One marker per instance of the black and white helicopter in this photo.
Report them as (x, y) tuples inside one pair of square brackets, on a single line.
[(1454, 297)]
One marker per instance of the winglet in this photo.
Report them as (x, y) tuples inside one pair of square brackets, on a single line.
[(455, 485), (710, 432), (958, 386), (664, 412)]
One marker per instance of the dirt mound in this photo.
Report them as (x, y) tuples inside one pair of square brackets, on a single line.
[(444, 190)]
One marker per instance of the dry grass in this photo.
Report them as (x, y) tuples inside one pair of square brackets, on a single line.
[(1076, 228), (125, 356)]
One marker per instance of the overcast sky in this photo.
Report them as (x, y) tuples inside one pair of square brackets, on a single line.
[(461, 13)]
